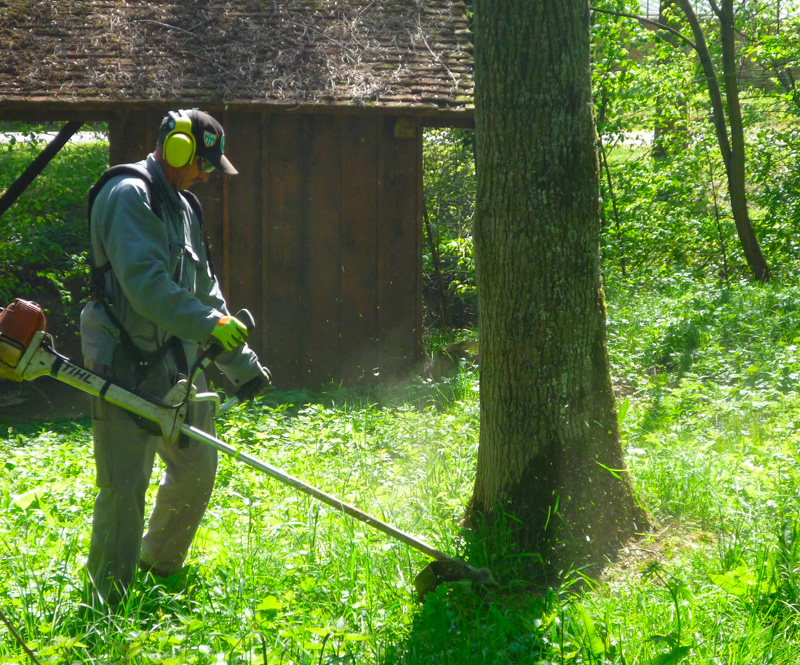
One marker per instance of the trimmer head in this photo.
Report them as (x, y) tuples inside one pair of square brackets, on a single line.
[(451, 570)]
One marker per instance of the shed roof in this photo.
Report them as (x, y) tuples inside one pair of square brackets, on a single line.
[(386, 53)]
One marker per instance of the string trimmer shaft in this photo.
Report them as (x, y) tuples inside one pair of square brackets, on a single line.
[(27, 353)]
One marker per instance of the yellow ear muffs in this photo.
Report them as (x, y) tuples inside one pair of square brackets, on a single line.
[(179, 144)]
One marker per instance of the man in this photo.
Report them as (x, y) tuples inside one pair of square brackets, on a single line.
[(156, 303)]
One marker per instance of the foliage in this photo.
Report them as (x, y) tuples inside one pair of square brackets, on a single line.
[(666, 210), (666, 205), (775, 176), (449, 266), (43, 236), (663, 210), (771, 44)]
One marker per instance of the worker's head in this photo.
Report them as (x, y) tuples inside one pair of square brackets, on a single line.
[(192, 140)]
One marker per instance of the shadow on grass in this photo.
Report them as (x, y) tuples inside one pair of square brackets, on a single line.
[(520, 620), (458, 623)]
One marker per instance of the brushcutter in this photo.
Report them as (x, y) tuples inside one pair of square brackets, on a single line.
[(27, 352)]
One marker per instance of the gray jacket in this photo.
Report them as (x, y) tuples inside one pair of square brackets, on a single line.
[(160, 283)]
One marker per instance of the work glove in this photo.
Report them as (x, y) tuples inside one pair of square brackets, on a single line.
[(230, 332), (255, 386)]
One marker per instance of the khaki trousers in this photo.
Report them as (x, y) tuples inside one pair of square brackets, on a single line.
[(124, 457)]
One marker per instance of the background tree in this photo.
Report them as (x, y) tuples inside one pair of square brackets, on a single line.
[(729, 127), (724, 99), (549, 455)]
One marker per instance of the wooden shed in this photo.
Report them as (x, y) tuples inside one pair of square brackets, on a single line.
[(324, 103)]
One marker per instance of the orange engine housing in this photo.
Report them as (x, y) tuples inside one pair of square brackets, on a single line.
[(19, 322)]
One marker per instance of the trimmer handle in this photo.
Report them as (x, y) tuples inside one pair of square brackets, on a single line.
[(246, 317)]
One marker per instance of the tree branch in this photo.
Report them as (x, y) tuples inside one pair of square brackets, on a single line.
[(644, 19)]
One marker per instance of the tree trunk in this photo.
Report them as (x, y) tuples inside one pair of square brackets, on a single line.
[(732, 149), (549, 456), (736, 170)]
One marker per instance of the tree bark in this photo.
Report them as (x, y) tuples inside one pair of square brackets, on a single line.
[(550, 458), (736, 172), (732, 148)]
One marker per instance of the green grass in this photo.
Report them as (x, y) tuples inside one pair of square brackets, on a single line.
[(706, 381), (273, 571)]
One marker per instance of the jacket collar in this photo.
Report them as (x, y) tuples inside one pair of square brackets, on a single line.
[(167, 191)]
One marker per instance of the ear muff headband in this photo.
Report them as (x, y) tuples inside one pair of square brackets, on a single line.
[(179, 144)]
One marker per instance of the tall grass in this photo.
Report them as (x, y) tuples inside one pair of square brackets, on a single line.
[(705, 376)]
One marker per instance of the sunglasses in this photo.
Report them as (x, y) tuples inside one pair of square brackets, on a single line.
[(204, 165)]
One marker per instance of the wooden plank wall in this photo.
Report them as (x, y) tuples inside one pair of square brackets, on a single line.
[(319, 236)]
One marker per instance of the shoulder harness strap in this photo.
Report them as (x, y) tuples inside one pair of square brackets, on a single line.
[(98, 272)]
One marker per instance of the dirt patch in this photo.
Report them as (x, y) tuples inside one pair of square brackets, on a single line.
[(665, 543)]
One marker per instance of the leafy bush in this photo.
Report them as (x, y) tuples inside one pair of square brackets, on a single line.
[(44, 235), (774, 163), (449, 265)]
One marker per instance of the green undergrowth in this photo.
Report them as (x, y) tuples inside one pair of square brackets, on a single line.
[(44, 234), (705, 375)]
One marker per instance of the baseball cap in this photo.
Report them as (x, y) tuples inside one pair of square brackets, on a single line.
[(210, 140)]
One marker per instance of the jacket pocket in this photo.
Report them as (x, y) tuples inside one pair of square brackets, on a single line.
[(177, 253), (190, 268)]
